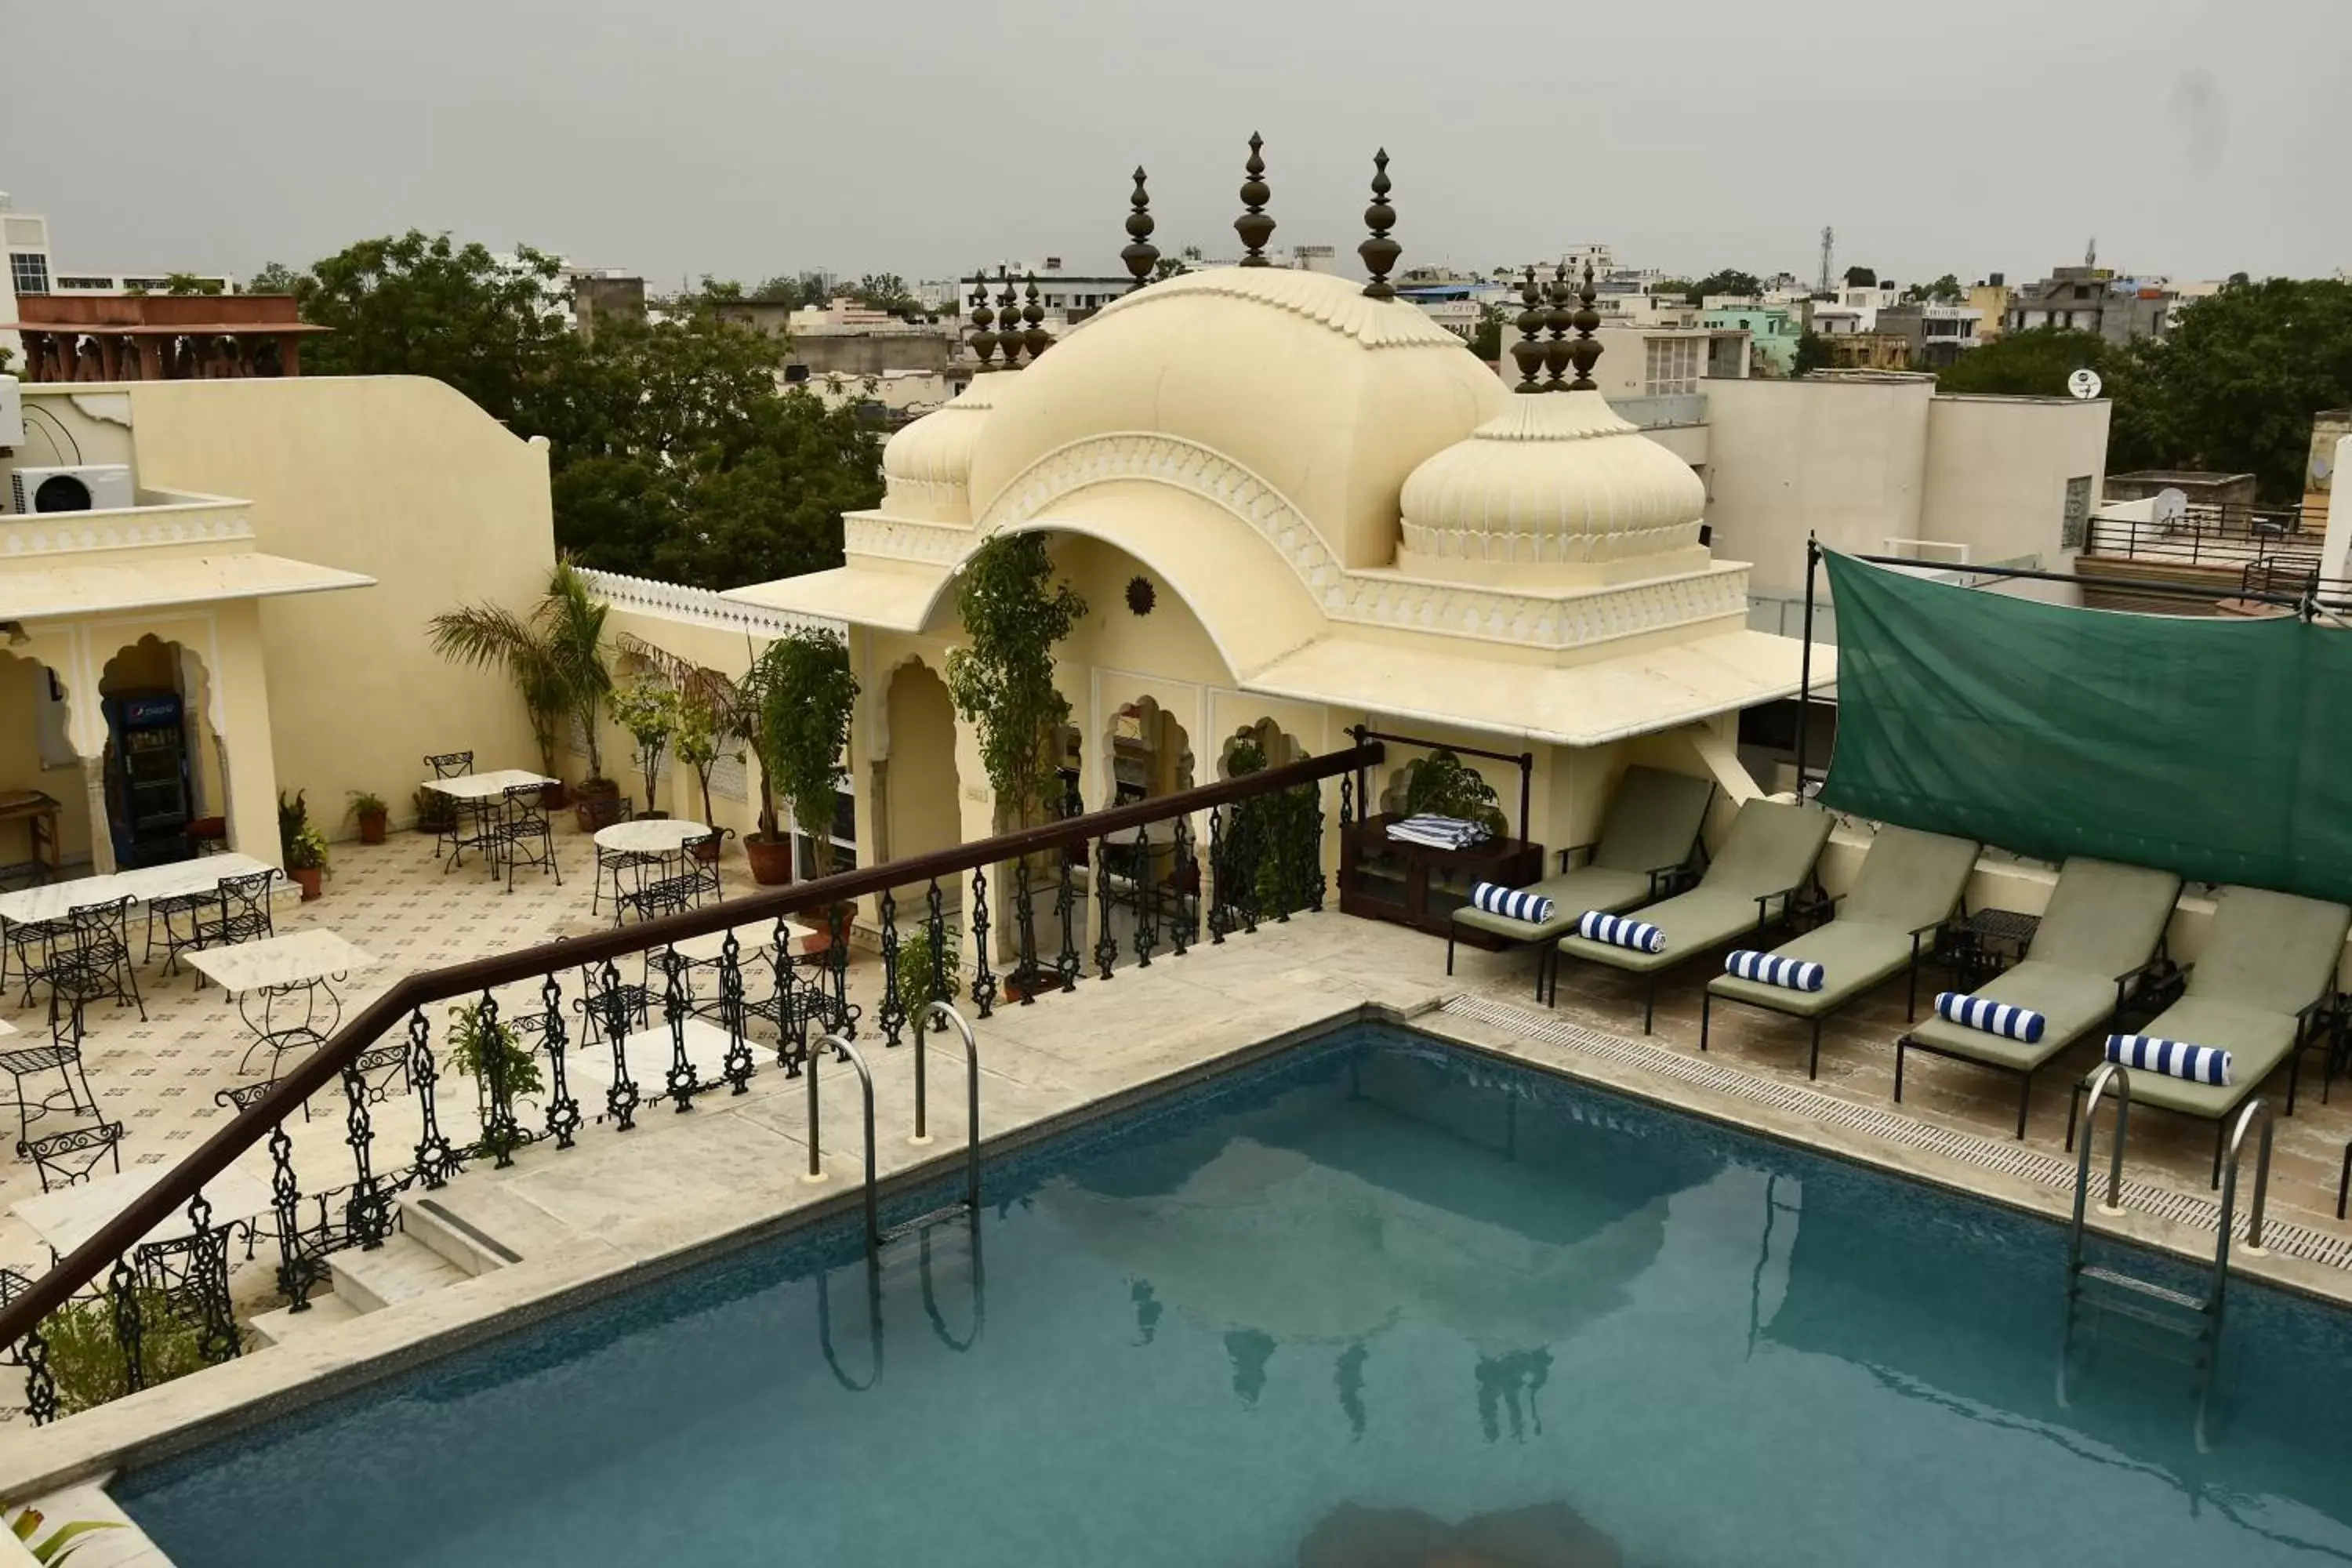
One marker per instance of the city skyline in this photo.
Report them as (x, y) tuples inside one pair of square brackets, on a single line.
[(733, 141)]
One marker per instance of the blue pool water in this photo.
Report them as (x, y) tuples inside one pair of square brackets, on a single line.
[(1371, 1303)]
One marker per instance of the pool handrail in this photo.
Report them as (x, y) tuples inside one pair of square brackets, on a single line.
[(843, 1049), (934, 1012)]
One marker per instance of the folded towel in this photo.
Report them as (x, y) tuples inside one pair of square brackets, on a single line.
[(2173, 1058), (1796, 974), (1511, 903), (1439, 832), (1621, 930), (1992, 1018)]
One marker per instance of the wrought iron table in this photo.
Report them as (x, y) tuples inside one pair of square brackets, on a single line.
[(71, 1216), (476, 795), (1987, 942), (264, 974)]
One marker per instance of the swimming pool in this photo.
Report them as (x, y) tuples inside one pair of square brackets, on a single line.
[(1375, 1297)]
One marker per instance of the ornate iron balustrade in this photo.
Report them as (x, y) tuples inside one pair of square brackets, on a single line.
[(1149, 886)]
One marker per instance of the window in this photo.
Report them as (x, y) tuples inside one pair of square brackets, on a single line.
[(2074, 530), (1672, 366), (29, 271), (844, 835)]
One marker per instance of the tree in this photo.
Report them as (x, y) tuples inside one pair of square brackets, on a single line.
[(1861, 277), (1486, 342), (1944, 290), (807, 696), (276, 277), (1812, 355), (657, 390), (2025, 364), (1676, 289), (425, 305), (885, 291), (1013, 611), (555, 655), (1731, 280), (1168, 267), (188, 283)]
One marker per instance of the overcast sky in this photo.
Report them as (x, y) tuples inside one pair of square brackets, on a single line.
[(740, 138)]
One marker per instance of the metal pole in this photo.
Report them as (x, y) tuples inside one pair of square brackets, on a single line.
[(1805, 661)]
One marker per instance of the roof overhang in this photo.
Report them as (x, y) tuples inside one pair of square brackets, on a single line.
[(1588, 704), (67, 588), (893, 598)]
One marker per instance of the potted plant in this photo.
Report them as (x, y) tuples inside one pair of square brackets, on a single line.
[(806, 696), (556, 659), (915, 985), (492, 1053), (435, 812), (302, 845), (369, 811), (699, 748), (647, 709)]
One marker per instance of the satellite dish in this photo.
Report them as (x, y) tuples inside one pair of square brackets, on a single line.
[(2084, 383), (2170, 508)]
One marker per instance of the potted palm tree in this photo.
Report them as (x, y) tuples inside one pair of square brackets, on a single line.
[(555, 655), (369, 811), (301, 843), (805, 695)]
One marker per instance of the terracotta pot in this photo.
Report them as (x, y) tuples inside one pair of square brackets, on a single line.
[(596, 803), (306, 879), (371, 827), (707, 853), (771, 858), (553, 796)]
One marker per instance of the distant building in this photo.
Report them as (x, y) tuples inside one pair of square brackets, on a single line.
[(27, 270), (1869, 350), (2092, 300), (605, 295), (1937, 335), (1989, 300), (1773, 333), (157, 337)]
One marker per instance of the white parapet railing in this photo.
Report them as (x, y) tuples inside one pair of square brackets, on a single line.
[(699, 607)]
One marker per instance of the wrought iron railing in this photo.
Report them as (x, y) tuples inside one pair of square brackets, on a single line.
[(142, 1309), (2220, 537)]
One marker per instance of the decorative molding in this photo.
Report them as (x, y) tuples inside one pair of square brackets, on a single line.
[(65, 532), (1327, 301), (1547, 548), (904, 539), (1377, 599), (699, 607)]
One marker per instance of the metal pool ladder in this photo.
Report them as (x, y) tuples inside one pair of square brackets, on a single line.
[(969, 1205), (2134, 1295)]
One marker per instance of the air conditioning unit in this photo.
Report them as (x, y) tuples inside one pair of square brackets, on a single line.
[(12, 413), (91, 487)]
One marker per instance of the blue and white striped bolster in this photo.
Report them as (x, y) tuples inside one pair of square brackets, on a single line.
[(2173, 1058), (1621, 930), (2000, 1018), (1511, 903), (1795, 973)]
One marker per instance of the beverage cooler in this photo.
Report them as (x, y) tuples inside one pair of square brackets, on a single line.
[(147, 793)]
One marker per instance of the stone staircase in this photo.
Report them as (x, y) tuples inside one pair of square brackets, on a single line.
[(433, 1248)]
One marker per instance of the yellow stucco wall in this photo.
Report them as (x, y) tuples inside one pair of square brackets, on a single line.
[(401, 479)]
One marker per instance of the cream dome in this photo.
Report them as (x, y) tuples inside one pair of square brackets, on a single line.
[(1237, 382), (926, 466), (1555, 488)]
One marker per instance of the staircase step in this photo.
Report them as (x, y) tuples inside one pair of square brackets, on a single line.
[(466, 1246), (401, 1269), (2116, 1280), (286, 1325)]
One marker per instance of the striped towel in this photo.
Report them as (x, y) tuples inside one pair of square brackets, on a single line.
[(2173, 1058), (1621, 930), (1796, 974), (1511, 903), (1992, 1018), (1439, 832)]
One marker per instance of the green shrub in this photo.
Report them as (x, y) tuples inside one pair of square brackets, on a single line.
[(89, 1362)]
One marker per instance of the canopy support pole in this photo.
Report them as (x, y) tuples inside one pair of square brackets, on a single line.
[(1805, 660)]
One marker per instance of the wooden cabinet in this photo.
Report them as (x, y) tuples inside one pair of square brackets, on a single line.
[(1418, 886)]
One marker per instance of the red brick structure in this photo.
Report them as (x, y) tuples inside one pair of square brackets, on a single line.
[(158, 336)]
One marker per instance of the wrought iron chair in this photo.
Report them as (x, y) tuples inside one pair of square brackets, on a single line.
[(29, 941), (69, 1158), (62, 1057), (625, 868), (521, 833), (452, 765), (661, 890), (617, 1007), (91, 960), (702, 855)]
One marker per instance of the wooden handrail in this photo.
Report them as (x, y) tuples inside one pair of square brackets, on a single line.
[(323, 1067)]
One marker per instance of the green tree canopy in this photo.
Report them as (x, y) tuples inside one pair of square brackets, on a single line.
[(1731, 280), (2026, 364), (1677, 289), (275, 278), (1861, 277), (1945, 290), (885, 291), (1486, 342), (1812, 355)]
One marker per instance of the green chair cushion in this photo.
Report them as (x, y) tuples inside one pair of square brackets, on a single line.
[(1693, 921), (1854, 954), (1772, 847), (2070, 1001), (1909, 880), (2102, 918), (2272, 951), (2257, 1039), (1572, 893), (1653, 819)]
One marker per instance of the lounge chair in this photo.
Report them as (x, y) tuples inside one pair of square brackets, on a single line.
[(1752, 884), (1909, 884), (1648, 840), (2267, 971), (2099, 940)]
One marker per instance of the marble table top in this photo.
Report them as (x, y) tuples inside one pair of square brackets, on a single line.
[(485, 786), (55, 900), (649, 836), (290, 960), (71, 1216)]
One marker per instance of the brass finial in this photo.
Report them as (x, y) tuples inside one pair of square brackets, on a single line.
[(1141, 254), (1558, 320), (1008, 316), (1584, 350), (1380, 252), (1529, 350), (1037, 339), (984, 341), (1254, 228)]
